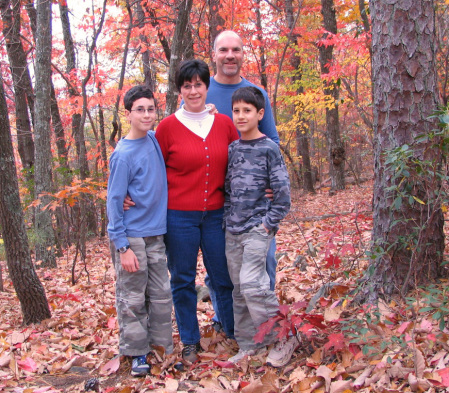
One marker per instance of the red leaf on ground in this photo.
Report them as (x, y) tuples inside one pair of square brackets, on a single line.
[(444, 374), (28, 365), (336, 341), (333, 261), (223, 364)]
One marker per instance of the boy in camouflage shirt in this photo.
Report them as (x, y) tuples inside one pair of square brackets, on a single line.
[(255, 164)]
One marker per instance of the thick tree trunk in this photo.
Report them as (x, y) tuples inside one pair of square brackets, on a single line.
[(45, 239), (336, 148), (408, 239), (26, 283), (22, 82), (176, 54)]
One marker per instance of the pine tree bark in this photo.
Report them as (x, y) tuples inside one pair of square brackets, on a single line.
[(45, 239), (26, 283), (336, 150), (408, 240)]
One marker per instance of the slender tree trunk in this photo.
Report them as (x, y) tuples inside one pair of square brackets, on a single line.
[(117, 125), (149, 79), (302, 129), (26, 283), (22, 83), (263, 65), (336, 148), (408, 238), (216, 25), (45, 239), (176, 54)]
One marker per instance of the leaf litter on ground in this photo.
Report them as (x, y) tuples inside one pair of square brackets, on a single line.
[(343, 347)]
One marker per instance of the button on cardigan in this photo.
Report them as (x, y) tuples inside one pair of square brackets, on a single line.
[(196, 167)]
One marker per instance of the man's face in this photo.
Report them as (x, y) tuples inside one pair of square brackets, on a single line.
[(228, 55)]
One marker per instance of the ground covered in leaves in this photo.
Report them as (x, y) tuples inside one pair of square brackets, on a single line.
[(398, 347)]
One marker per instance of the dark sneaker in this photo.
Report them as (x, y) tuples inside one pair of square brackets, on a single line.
[(140, 367), (218, 327), (282, 352), (190, 352)]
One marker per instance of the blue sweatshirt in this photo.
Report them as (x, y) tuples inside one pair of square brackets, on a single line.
[(137, 169), (220, 95)]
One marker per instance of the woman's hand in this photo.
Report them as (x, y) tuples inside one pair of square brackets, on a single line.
[(269, 194)]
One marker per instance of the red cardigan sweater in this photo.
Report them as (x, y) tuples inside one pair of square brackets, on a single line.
[(196, 167)]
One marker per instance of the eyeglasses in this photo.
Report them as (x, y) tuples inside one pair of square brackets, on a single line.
[(141, 111), (197, 86)]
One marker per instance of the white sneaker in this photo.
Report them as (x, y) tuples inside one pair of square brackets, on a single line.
[(282, 352), (241, 354)]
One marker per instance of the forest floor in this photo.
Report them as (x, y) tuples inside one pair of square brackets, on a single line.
[(397, 347)]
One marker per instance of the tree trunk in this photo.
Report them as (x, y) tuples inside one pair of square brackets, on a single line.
[(26, 283), (216, 23), (149, 79), (45, 239), (336, 150), (176, 55), (22, 83), (263, 66), (302, 129), (408, 239)]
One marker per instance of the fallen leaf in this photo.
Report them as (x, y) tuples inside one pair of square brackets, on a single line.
[(110, 367)]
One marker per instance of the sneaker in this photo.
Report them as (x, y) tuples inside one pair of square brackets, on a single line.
[(241, 354), (140, 367), (190, 352), (218, 327), (282, 352)]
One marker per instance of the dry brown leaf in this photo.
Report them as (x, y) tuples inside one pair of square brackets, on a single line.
[(420, 363), (360, 380), (270, 382), (332, 314), (325, 373), (297, 375), (254, 387), (341, 386), (171, 385)]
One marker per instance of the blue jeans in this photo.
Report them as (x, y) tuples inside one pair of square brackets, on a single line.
[(271, 270), (187, 232)]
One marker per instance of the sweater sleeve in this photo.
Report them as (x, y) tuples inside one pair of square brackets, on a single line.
[(280, 184), (117, 190)]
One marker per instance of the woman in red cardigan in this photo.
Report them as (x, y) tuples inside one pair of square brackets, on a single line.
[(194, 144)]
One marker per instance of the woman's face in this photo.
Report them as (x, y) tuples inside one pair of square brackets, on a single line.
[(194, 94)]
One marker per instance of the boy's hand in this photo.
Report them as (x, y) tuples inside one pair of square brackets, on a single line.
[(127, 203), (129, 261), (266, 230), (268, 194)]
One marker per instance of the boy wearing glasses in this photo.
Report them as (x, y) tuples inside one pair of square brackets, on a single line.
[(143, 294)]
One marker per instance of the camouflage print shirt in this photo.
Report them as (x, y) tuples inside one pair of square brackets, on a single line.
[(254, 166)]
